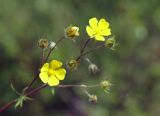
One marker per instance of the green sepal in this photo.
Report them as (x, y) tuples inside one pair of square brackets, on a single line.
[(21, 100)]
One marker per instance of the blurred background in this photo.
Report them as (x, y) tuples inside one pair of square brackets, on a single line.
[(133, 69)]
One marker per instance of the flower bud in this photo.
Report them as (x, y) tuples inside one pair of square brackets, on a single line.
[(72, 64), (105, 85), (43, 43), (93, 98), (111, 43), (72, 31), (52, 44), (93, 69)]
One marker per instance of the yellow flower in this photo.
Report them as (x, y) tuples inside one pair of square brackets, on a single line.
[(72, 31), (52, 72), (98, 29)]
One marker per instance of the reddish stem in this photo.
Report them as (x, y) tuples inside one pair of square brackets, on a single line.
[(8, 105), (39, 88), (82, 50), (54, 47)]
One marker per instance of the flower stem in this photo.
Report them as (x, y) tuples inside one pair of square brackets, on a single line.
[(42, 56), (82, 50), (50, 51), (85, 45), (27, 94), (27, 88), (8, 105), (36, 90), (81, 86), (92, 50)]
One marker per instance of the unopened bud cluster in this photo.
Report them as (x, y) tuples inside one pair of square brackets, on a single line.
[(105, 85), (72, 64)]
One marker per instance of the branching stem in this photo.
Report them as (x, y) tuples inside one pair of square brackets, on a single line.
[(30, 93)]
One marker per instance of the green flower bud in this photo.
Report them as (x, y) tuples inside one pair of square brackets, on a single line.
[(72, 64), (43, 43), (111, 43), (105, 85), (93, 98)]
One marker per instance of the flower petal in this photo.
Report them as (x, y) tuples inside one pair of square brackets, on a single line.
[(105, 32), (90, 31), (99, 38), (44, 77), (103, 24), (53, 81), (93, 23), (45, 67), (55, 64), (60, 73)]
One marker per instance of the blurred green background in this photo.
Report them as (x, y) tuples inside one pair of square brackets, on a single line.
[(133, 69)]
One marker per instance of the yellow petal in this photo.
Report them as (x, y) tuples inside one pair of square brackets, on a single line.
[(103, 24), (60, 73), (53, 81), (45, 67), (90, 31), (99, 38), (105, 32), (44, 77), (93, 23), (55, 64)]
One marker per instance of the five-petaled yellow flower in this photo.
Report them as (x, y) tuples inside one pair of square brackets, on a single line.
[(98, 29), (52, 72)]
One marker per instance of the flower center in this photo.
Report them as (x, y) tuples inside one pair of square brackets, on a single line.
[(51, 71), (96, 32)]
